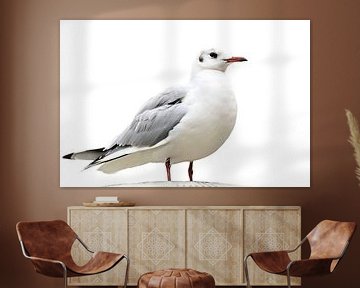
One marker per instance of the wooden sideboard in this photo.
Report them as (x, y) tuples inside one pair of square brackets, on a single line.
[(212, 239)]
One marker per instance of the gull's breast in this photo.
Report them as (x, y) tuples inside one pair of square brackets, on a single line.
[(208, 123)]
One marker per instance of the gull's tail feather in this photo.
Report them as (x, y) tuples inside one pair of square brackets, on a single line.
[(120, 158), (99, 161), (85, 155), (126, 161)]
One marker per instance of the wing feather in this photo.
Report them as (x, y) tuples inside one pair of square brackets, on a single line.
[(155, 119), (151, 124)]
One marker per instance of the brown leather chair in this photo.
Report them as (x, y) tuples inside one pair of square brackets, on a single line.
[(48, 245), (328, 242)]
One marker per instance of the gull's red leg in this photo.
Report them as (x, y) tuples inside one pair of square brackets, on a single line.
[(190, 171), (168, 167)]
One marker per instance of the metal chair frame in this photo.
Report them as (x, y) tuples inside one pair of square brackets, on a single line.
[(288, 276), (23, 249)]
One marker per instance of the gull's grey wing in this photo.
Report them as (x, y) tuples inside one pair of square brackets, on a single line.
[(151, 124), (169, 97), (155, 120)]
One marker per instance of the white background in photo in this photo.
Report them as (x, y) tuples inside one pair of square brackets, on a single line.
[(109, 68)]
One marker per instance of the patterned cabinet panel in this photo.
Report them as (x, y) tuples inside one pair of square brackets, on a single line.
[(271, 229), (214, 244), (101, 230), (156, 240)]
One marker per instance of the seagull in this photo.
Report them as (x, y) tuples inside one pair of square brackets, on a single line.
[(181, 124)]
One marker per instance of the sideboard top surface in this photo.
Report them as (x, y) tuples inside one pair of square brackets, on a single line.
[(193, 207)]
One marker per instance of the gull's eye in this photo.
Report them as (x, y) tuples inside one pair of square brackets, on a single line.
[(213, 55)]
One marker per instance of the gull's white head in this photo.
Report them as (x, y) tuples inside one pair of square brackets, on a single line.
[(213, 59)]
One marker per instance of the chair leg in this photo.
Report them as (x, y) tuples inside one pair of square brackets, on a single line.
[(127, 271), (246, 272), (288, 278), (65, 275)]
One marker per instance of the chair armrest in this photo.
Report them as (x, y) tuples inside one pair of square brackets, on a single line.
[(268, 253), (309, 267), (45, 260), (271, 261), (280, 251), (298, 246), (48, 267), (84, 245)]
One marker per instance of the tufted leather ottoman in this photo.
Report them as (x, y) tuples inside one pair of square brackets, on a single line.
[(176, 278)]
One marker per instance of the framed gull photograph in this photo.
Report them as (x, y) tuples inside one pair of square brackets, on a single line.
[(199, 103)]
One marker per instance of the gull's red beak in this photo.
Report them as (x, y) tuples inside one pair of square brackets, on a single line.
[(235, 59)]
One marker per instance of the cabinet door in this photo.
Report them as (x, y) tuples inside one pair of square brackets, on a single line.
[(214, 244), (269, 230), (100, 230), (156, 240)]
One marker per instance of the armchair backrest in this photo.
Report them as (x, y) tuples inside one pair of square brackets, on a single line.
[(46, 239), (329, 239)]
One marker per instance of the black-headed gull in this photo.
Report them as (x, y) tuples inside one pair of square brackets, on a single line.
[(184, 123)]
